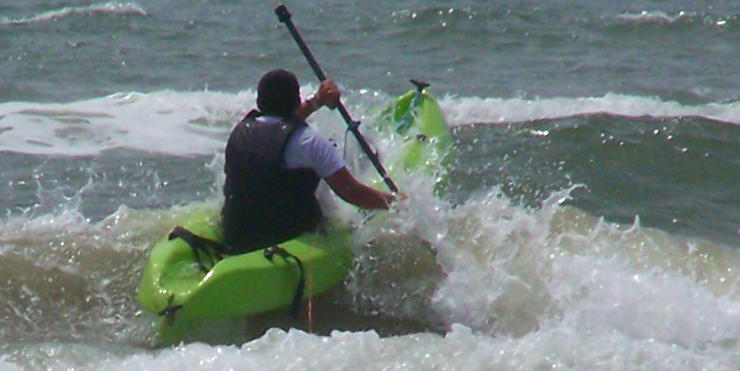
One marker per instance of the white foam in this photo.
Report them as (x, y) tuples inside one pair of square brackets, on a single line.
[(168, 122), (655, 17), (164, 122), (494, 110), (198, 123), (105, 8), (571, 289), (461, 348), (551, 286), (519, 267)]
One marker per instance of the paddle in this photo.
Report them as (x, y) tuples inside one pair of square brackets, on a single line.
[(284, 16)]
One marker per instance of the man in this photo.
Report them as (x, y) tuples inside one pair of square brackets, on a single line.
[(274, 162)]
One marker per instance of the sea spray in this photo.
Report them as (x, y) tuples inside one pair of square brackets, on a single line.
[(505, 269), (72, 278)]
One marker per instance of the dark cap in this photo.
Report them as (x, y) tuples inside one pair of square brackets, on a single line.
[(278, 93)]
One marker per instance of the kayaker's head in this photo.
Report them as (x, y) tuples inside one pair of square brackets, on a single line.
[(278, 93)]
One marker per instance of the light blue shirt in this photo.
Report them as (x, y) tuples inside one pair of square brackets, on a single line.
[(308, 148)]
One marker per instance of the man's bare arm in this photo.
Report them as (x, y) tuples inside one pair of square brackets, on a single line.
[(349, 189)]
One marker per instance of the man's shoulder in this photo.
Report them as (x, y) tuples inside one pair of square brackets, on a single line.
[(308, 139), (310, 148)]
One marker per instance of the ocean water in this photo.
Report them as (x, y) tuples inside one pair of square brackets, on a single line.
[(591, 218)]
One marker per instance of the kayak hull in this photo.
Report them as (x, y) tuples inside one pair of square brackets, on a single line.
[(239, 285)]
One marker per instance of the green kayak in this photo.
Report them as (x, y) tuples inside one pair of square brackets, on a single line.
[(184, 285), (417, 117)]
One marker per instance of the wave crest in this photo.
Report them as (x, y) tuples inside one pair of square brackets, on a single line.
[(94, 9), (460, 111), (658, 17)]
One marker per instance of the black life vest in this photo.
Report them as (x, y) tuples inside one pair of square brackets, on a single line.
[(265, 203)]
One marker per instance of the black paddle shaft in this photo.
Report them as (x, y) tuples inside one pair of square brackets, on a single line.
[(284, 17)]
